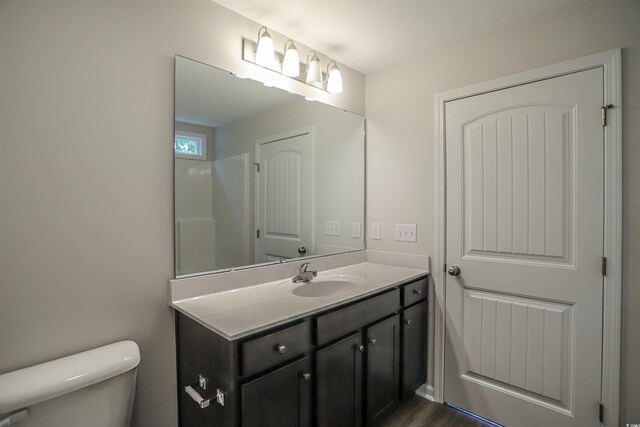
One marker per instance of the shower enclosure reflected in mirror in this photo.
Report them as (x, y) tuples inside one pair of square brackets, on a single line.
[(261, 175)]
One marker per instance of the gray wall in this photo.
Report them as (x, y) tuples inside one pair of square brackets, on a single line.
[(400, 132), (86, 175)]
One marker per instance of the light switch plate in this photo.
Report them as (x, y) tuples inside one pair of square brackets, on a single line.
[(406, 233), (332, 228), (375, 231), (356, 233)]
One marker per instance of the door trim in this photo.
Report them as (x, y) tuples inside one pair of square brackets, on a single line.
[(312, 206), (611, 62)]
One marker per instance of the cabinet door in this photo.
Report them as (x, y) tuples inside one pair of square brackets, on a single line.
[(414, 349), (204, 353), (339, 383), (383, 369), (279, 398)]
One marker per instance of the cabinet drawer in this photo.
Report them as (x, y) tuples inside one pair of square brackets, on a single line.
[(414, 292), (341, 322), (270, 350)]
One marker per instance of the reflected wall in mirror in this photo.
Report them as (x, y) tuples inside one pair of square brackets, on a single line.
[(261, 175)]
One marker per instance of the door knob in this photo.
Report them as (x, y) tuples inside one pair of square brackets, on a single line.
[(306, 376), (372, 341), (302, 250), (454, 270)]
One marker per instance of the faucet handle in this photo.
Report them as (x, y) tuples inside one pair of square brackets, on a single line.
[(303, 267)]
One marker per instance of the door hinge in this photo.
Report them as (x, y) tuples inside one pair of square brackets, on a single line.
[(604, 109), (601, 412), (604, 265), (257, 234), (258, 166)]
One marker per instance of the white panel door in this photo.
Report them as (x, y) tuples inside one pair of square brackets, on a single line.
[(284, 198), (525, 226)]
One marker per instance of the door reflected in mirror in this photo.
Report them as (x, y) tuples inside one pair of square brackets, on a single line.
[(261, 175)]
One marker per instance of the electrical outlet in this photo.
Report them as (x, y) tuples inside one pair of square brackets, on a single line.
[(406, 233), (356, 230), (332, 228), (375, 231)]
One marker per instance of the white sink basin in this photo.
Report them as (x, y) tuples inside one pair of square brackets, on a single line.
[(328, 286)]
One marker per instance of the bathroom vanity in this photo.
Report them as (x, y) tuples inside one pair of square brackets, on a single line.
[(263, 356)]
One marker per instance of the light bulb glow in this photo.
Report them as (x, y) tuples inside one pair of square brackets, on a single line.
[(264, 54), (314, 72), (334, 81), (291, 63)]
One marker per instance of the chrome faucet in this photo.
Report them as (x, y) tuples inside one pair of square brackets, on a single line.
[(304, 274)]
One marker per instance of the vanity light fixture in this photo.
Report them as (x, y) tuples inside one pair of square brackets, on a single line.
[(334, 81), (291, 63), (288, 64), (265, 55)]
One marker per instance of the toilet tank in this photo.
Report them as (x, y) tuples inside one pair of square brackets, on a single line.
[(95, 388), (105, 404)]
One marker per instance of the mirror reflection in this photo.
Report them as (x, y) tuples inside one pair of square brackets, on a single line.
[(261, 175)]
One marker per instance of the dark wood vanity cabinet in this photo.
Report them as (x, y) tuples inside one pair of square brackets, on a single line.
[(347, 366)]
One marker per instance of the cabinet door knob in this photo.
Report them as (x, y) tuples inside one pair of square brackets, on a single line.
[(372, 341), (417, 291), (358, 347), (306, 376), (408, 321), (280, 348)]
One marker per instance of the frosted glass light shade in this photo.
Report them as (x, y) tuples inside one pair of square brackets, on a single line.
[(334, 81), (264, 54), (291, 63), (314, 73)]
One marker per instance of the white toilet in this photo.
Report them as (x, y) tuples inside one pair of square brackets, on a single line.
[(95, 388)]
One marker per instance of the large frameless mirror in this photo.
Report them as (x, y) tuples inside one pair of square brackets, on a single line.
[(261, 175)]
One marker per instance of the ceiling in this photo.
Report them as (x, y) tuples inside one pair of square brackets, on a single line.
[(371, 35)]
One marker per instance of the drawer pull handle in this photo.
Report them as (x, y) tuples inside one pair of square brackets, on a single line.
[(306, 376), (408, 321), (280, 348), (372, 341), (417, 291)]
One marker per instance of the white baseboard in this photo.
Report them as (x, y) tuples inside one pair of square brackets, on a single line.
[(426, 392)]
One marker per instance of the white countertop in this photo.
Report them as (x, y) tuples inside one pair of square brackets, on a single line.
[(237, 313)]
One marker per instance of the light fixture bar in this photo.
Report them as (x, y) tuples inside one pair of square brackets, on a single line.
[(249, 55)]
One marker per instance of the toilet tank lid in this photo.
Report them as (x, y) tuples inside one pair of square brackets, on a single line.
[(35, 384)]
